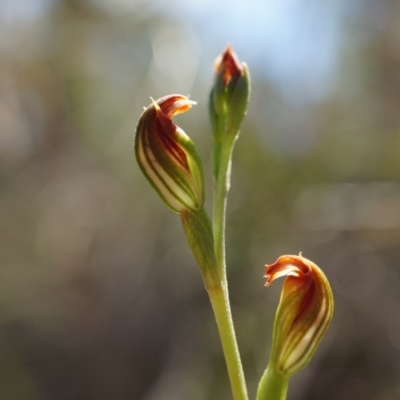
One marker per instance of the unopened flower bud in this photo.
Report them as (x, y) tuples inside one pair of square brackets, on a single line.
[(304, 312), (167, 156), (230, 93), (228, 105)]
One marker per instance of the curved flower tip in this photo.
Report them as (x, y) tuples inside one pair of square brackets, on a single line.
[(304, 312), (167, 156), (172, 105)]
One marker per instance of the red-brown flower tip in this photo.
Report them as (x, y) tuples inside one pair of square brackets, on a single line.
[(297, 266), (167, 156), (173, 104), (228, 63), (304, 313)]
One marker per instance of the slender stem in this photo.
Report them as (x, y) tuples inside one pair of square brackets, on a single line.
[(273, 386), (220, 200), (219, 298)]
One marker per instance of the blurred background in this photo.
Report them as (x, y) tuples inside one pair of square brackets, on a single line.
[(99, 296)]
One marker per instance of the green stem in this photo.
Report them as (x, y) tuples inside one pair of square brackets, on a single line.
[(273, 386), (219, 298), (220, 200), (197, 228)]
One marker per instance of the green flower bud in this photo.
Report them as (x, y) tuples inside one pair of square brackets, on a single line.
[(304, 312), (228, 103), (230, 93), (167, 156)]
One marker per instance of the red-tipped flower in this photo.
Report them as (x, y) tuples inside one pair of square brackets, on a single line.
[(231, 90), (304, 312), (167, 156), (229, 99)]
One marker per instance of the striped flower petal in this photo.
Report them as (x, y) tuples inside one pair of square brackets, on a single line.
[(304, 312), (167, 156)]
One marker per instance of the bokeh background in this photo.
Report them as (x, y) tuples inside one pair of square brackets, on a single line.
[(99, 296)]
